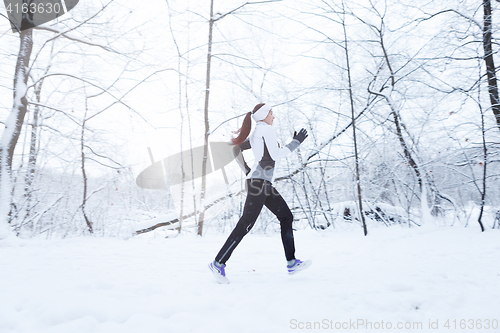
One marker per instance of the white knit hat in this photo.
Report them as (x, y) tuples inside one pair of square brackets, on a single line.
[(262, 112)]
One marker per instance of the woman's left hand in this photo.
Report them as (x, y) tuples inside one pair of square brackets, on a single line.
[(301, 136)]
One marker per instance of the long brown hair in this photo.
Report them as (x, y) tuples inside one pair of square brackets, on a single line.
[(244, 131)]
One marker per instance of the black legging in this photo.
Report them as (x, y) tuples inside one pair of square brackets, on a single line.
[(260, 193)]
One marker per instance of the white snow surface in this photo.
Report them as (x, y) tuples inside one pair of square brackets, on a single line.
[(150, 285)]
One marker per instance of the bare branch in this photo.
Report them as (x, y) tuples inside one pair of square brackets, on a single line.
[(75, 39), (243, 5), (470, 19)]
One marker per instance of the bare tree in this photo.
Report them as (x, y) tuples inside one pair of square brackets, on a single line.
[(84, 172), (15, 121), (69, 34), (485, 163), (353, 121), (490, 63), (385, 90), (211, 22)]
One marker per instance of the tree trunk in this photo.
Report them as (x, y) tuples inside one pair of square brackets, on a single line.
[(84, 173), (406, 150), (490, 64), (207, 128), (34, 142), (353, 119), (13, 126), (485, 162), (33, 153)]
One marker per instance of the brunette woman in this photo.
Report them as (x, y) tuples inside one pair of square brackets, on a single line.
[(264, 143)]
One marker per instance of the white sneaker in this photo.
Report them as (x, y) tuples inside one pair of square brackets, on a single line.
[(298, 266), (219, 272)]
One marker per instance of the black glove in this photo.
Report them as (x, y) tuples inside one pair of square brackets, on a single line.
[(301, 136)]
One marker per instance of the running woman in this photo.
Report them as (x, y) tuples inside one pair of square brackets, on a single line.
[(265, 147)]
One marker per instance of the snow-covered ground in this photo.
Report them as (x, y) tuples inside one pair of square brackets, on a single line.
[(397, 277)]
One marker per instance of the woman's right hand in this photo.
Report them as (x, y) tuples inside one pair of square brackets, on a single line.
[(301, 136)]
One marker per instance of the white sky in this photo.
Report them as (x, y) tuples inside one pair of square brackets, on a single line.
[(264, 53)]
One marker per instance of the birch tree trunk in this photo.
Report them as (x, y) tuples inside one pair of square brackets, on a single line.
[(179, 58), (207, 127), (33, 154), (34, 143)]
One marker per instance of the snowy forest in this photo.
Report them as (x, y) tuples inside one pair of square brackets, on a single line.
[(400, 99), (395, 193)]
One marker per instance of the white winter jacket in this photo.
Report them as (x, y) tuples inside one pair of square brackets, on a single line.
[(264, 143)]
